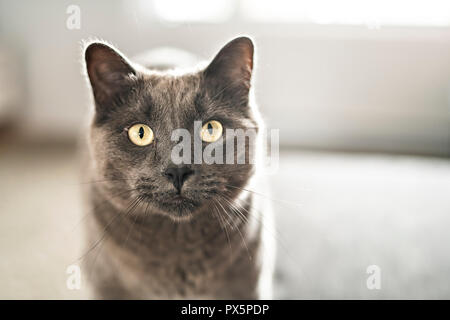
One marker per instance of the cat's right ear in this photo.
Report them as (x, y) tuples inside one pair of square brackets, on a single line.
[(109, 72)]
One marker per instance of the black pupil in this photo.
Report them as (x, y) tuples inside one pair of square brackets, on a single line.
[(141, 132), (210, 128)]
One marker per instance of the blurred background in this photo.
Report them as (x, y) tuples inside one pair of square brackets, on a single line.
[(359, 89)]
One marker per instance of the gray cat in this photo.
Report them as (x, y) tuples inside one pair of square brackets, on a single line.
[(160, 230)]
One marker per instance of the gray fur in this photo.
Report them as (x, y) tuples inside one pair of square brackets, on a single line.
[(142, 244)]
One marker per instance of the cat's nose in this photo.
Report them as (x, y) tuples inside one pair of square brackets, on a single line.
[(178, 175)]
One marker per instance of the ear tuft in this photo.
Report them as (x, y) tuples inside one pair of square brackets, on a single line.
[(109, 72)]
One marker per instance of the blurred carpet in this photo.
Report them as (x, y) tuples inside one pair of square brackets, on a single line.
[(336, 215)]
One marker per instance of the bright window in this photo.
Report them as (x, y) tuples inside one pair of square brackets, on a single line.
[(346, 12), (350, 12), (212, 11)]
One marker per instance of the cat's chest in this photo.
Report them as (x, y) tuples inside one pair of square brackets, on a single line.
[(181, 266), (178, 254)]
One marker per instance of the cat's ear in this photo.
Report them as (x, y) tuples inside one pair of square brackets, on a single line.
[(109, 72), (229, 74)]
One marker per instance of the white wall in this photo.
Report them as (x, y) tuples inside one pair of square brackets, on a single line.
[(323, 86)]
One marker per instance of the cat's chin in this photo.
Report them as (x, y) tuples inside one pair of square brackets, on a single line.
[(179, 218)]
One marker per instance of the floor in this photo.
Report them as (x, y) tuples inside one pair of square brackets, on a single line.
[(337, 214)]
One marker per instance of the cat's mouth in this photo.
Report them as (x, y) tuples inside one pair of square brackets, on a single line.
[(179, 198), (178, 206)]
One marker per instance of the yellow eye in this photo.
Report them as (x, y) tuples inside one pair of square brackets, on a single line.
[(141, 135), (211, 131)]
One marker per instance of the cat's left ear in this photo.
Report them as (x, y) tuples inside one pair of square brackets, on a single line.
[(109, 72), (229, 74)]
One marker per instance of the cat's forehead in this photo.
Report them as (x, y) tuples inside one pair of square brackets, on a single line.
[(169, 101), (174, 92)]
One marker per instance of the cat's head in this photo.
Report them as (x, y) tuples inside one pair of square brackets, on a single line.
[(136, 112)]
